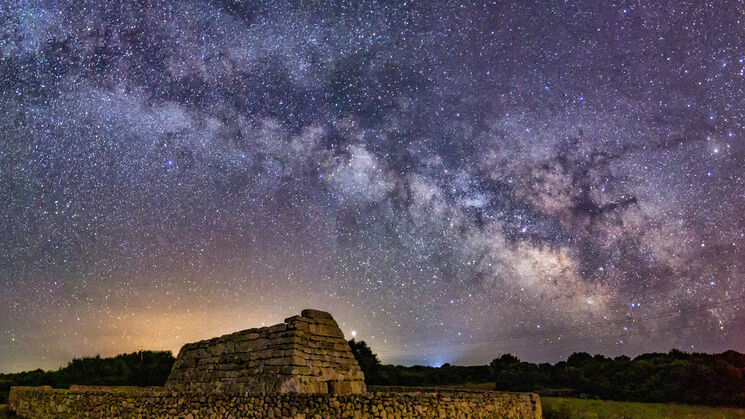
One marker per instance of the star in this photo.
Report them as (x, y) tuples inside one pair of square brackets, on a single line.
[(175, 170)]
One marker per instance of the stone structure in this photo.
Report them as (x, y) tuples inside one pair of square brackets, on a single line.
[(154, 402), (301, 369), (305, 354)]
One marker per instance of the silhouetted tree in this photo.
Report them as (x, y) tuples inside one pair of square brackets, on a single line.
[(146, 368), (369, 362)]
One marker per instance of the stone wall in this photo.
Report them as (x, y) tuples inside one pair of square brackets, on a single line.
[(155, 402), (305, 354)]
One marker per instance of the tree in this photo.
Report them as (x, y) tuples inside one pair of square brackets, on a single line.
[(369, 362)]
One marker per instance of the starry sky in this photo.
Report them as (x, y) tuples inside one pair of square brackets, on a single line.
[(453, 180)]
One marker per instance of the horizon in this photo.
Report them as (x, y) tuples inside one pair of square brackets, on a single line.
[(174, 354), (392, 361), (531, 178)]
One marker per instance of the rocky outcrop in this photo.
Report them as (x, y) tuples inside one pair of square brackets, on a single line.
[(305, 354)]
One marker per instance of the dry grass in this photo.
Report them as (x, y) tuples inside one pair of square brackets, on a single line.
[(471, 386), (5, 413), (565, 408)]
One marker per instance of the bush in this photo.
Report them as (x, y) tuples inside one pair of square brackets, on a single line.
[(145, 368)]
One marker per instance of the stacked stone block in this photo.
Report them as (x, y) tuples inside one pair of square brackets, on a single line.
[(305, 354), (127, 402)]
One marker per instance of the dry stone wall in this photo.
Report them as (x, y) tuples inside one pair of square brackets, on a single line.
[(305, 354), (154, 402)]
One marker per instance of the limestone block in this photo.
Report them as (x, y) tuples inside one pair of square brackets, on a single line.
[(316, 314), (325, 330), (305, 354)]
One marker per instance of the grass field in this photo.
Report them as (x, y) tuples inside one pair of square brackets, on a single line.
[(569, 408), (4, 412), (564, 408)]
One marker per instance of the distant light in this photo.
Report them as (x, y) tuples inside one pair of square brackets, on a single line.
[(625, 11), (581, 98), (354, 333), (708, 174)]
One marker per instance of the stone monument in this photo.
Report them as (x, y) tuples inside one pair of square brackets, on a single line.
[(259, 373), (305, 354)]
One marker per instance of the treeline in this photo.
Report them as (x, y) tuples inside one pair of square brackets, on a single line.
[(676, 376), (146, 368), (692, 378), (418, 375)]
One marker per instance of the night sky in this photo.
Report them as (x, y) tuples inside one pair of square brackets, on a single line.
[(452, 180)]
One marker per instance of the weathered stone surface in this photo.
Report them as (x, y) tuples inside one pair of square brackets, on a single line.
[(154, 402), (316, 314), (305, 354)]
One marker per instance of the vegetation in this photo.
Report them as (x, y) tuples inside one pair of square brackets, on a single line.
[(418, 375), (5, 412), (680, 377), (566, 408), (146, 368), (693, 378)]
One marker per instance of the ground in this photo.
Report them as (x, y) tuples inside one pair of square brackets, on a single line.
[(4, 412), (564, 408)]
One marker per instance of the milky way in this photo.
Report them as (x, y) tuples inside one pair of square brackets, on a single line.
[(451, 180)]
